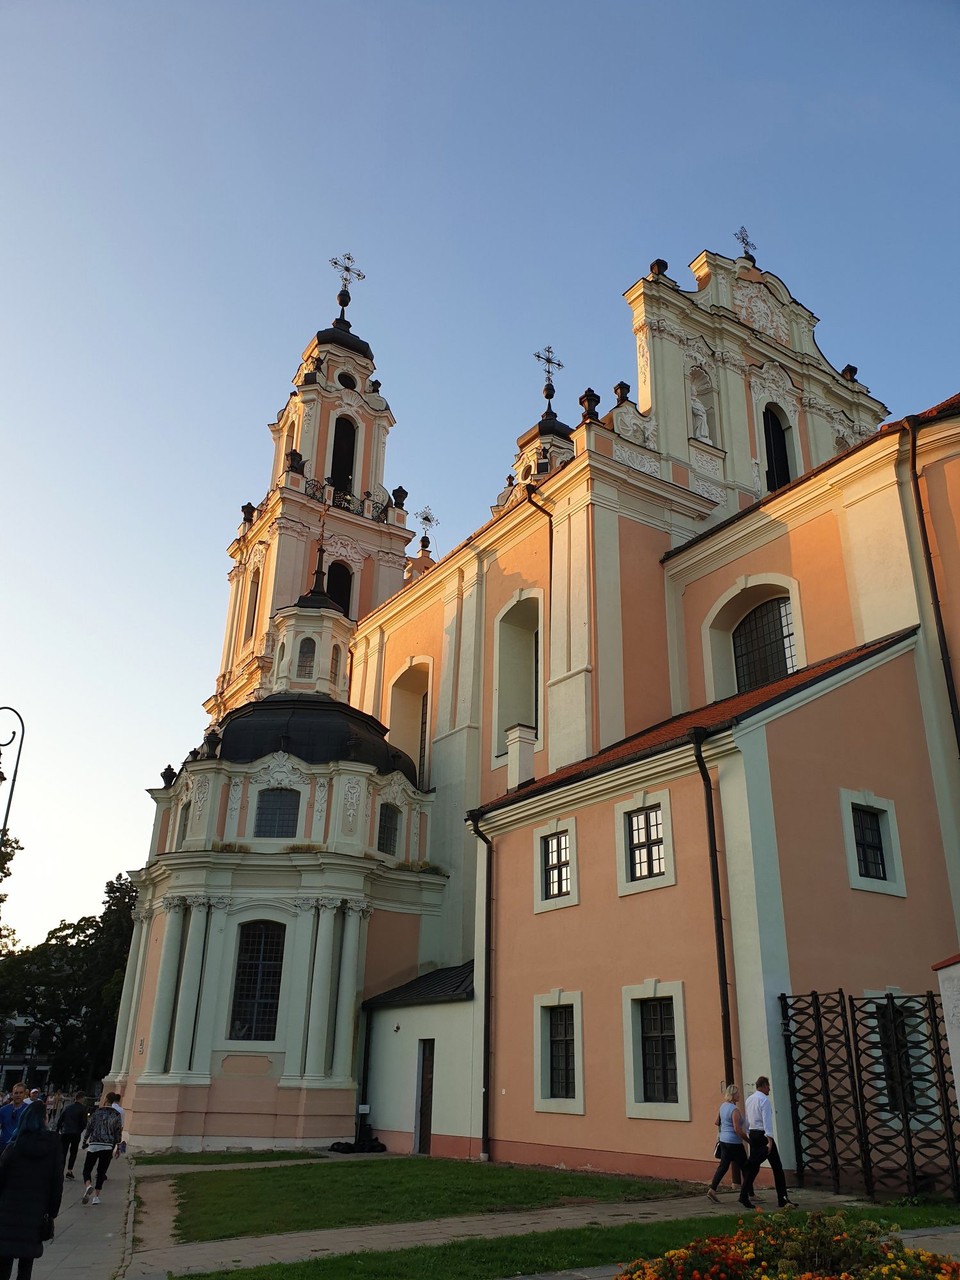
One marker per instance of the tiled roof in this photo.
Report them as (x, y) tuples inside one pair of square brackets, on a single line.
[(439, 986), (714, 718)]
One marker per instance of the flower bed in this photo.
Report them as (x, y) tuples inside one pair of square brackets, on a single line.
[(790, 1246)]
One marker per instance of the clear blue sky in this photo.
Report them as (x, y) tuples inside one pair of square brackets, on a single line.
[(175, 176)]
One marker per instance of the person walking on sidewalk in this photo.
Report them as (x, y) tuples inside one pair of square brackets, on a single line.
[(10, 1113), (101, 1140), (733, 1134), (31, 1184), (70, 1124), (763, 1146)]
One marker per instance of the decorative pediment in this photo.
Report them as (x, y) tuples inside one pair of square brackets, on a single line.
[(756, 306), (339, 547), (280, 771), (629, 423), (771, 382)]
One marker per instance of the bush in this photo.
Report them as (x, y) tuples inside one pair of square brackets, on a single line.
[(814, 1246)]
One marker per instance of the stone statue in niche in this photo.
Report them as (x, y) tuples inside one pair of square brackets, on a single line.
[(701, 428)]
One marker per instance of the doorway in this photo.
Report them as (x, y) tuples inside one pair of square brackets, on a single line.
[(424, 1129)]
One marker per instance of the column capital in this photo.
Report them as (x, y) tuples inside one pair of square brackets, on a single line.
[(141, 915), (173, 902), (197, 900), (220, 901), (329, 904), (304, 904), (359, 906)]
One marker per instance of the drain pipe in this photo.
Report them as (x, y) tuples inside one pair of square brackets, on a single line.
[(697, 738), (912, 426), (473, 817)]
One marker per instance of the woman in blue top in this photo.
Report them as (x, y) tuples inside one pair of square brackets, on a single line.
[(733, 1134)]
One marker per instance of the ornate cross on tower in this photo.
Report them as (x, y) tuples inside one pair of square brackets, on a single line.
[(549, 362), (749, 248), (348, 272)]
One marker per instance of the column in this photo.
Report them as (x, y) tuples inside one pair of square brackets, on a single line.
[(146, 918), (166, 991), (296, 979), (319, 1019), (355, 910), (189, 985), (126, 997), (211, 982)]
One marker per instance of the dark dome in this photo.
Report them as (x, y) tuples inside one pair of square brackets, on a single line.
[(315, 728), (340, 336)]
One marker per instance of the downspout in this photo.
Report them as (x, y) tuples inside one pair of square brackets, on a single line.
[(697, 737), (912, 426), (530, 490), (473, 816)]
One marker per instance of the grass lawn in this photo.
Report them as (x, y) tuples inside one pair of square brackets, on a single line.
[(252, 1202), (229, 1157), (547, 1251)]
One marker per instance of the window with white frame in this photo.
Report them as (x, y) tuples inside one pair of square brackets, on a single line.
[(388, 830), (753, 634), (558, 1052), (305, 658), (555, 874), (655, 1051), (256, 983), (872, 843), (278, 813), (644, 842)]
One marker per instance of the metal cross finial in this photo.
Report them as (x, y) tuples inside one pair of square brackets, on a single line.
[(548, 360), (348, 272), (746, 242)]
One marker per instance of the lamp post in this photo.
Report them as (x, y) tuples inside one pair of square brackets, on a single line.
[(16, 766), (6, 1031), (33, 1038)]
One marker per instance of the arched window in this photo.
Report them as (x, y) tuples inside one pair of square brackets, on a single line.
[(388, 830), (335, 668), (305, 657), (409, 716), (184, 824), (775, 445), (281, 654), (340, 585), (518, 669), (763, 645), (256, 985), (253, 595), (278, 811), (344, 447)]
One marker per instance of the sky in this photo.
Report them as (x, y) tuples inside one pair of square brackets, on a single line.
[(174, 178)]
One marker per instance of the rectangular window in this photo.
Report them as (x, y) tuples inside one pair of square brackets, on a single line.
[(869, 840), (645, 843), (256, 987), (556, 865), (659, 1050), (563, 1077), (896, 1057)]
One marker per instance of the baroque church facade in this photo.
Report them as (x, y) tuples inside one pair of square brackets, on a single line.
[(512, 855)]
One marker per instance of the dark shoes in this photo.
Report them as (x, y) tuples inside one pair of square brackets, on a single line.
[(787, 1204), (747, 1204)]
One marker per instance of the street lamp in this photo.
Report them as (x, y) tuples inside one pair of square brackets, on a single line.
[(16, 766)]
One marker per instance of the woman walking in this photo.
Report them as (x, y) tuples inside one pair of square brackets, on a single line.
[(102, 1141), (733, 1134), (31, 1184)]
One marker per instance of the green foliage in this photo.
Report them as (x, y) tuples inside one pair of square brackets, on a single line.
[(68, 988)]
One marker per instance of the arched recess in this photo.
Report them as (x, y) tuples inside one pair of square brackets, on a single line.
[(343, 457), (253, 597), (703, 407), (340, 586), (749, 592), (306, 655), (776, 447), (517, 668), (409, 716)]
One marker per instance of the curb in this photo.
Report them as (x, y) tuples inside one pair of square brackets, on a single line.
[(129, 1224)]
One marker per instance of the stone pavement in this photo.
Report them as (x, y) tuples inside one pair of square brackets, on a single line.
[(91, 1240)]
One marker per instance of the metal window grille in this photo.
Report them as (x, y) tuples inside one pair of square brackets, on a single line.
[(556, 865), (335, 666), (305, 657), (895, 1056), (763, 645), (659, 1050), (278, 811), (645, 843), (422, 754), (388, 829), (563, 1076), (869, 840), (256, 988)]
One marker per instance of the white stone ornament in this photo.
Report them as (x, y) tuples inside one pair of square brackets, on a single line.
[(233, 800), (200, 794), (280, 771), (320, 808), (756, 306), (342, 548), (635, 460), (630, 424), (352, 797), (707, 462), (708, 490)]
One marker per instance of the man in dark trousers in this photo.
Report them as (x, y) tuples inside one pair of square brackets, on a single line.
[(72, 1122), (762, 1144)]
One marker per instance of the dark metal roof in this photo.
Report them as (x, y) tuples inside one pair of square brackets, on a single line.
[(439, 986), (339, 335)]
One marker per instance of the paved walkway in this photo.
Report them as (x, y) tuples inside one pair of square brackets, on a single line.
[(91, 1240)]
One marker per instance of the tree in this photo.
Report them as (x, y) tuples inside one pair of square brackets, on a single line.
[(8, 847)]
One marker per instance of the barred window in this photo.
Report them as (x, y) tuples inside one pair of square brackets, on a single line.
[(763, 645), (305, 657), (659, 1050), (555, 850), (896, 1057), (256, 988), (389, 829), (278, 812), (335, 667), (869, 840), (563, 1076), (645, 843)]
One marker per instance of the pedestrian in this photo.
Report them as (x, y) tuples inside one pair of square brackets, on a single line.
[(31, 1184), (733, 1135), (70, 1125), (10, 1114), (101, 1140), (763, 1145)]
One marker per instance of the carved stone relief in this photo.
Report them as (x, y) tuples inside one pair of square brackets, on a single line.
[(635, 460), (630, 424), (352, 798), (708, 490), (390, 560), (706, 462), (200, 794), (233, 800), (320, 808), (756, 306), (281, 772)]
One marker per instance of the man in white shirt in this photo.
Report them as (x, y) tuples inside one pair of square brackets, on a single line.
[(762, 1144)]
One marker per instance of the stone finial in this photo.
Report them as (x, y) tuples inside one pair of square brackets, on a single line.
[(168, 776), (658, 267), (622, 392), (249, 511), (399, 496), (588, 402), (295, 462), (849, 371)]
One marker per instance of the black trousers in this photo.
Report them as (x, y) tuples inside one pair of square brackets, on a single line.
[(71, 1145), (24, 1268), (102, 1160), (759, 1153), (732, 1153)]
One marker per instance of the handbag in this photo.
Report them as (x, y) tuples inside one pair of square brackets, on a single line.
[(716, 1150), (46, 1228)]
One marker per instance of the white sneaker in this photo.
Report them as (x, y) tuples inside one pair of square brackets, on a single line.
[(87, 1193), (95, 1200)]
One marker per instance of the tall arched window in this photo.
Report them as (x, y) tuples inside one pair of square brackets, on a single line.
[(184, 824), (253, 596), (763, 645), (409, 716), (340, 585), (305, 657), (518, 669), (335, 668), (344, 448), (388, 829), (278, 811), (775, 445), (256, 985)]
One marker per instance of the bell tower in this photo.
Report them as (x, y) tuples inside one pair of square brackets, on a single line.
[(326, 506)]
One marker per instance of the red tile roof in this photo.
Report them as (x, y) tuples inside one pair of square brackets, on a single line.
[(714, 718)]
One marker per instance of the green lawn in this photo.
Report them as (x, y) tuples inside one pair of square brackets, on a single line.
[(229, 1157), (546, 1251), (251, 1202)]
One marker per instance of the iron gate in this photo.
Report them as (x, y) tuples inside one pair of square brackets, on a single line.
[(872, 1094)]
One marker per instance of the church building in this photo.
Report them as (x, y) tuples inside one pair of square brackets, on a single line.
[(518, 854)]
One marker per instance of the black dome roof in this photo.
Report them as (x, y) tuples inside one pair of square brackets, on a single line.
[(339, 334), (315, 728)]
